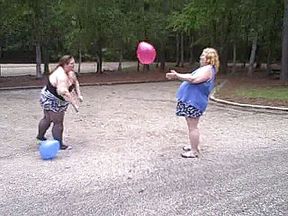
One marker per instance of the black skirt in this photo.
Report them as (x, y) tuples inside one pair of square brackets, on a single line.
[(186, 110)]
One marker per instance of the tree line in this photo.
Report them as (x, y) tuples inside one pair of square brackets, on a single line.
[(250, 32)]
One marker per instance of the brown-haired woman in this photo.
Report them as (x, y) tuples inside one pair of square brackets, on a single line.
[(55, 98), (193, 95)]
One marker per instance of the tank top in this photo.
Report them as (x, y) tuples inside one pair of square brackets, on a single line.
[(196, 94), (52, 89)]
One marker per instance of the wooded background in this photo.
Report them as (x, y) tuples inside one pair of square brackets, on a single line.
[(252, 32)]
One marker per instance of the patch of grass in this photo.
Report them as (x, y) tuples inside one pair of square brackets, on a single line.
[(276, 93)]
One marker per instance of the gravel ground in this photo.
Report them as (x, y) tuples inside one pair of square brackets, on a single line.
[(126, 158)]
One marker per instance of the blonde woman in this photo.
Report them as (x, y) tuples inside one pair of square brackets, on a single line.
[(55, 98), (193, 95)]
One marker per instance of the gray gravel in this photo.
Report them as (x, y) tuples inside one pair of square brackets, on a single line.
[(126, 158)]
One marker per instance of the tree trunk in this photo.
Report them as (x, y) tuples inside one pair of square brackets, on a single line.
[(268, 62), (224, 59), (99, 58), (182, 50), (191, 53), (46, 60), (120, 59), (252, 56), (138, 66), (146, 67), (162, 55), (79, 61), (99, 64), (234, 57), (284, 63), (177, 50), (157, 62), (38, 61), (1, 51), (165, 4)]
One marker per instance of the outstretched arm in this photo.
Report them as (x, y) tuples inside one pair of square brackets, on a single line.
[(200, 75)]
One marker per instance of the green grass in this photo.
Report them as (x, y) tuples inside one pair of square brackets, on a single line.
[(277, 93)]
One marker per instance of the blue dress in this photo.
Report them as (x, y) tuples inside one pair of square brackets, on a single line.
[(192, 98)]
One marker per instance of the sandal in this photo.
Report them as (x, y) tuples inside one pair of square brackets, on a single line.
[(65, 147), (187, 148), (190, 154)]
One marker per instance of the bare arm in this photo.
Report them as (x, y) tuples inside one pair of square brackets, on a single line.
[(77, 88), (73, 77), (62, 89), (201, 75)]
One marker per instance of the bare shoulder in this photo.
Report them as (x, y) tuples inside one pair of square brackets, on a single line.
[(59, 77), (202, 70), (203, 73), (71, 73), (72, 77), (60, 74), (207, 68)]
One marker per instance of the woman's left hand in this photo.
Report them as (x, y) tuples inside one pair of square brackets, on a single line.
[(80, 98)]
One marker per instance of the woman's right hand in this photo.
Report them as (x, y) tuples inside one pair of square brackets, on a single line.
[(171, 75)]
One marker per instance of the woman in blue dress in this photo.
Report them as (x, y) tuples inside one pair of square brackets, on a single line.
[(193, 95)]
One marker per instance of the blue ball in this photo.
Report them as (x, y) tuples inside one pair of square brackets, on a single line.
[(49, 149)]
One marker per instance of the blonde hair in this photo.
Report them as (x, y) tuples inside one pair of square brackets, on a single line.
[(212, 57)]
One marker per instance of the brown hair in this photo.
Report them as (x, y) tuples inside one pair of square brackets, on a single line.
[(64, 60), (212, 57)]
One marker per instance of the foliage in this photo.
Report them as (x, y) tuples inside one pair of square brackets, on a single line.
[(66, 26)]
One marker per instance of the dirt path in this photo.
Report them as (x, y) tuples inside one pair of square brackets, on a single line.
[(126, 158)]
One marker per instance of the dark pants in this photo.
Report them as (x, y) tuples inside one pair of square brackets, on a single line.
[(57, 118)]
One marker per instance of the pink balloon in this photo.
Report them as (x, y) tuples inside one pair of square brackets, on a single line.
[(146, 53)]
